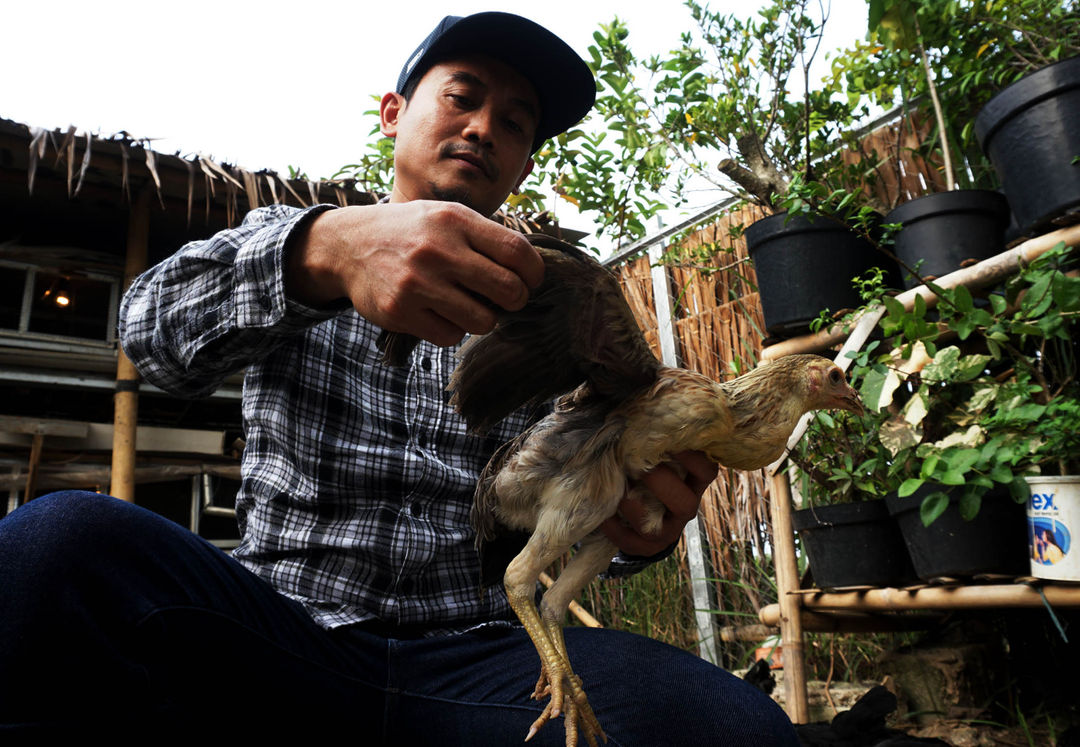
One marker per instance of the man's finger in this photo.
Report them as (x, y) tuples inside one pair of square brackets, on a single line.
[(511, 250), (678, 497)]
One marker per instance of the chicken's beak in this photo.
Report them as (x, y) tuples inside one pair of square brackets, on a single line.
[(851, 402)]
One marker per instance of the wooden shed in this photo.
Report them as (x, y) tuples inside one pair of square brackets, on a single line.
[(80, 215)]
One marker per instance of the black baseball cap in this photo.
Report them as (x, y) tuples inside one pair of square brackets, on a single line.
[(563, 82)]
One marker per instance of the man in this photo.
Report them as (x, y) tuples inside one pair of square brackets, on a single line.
[(351, 602)]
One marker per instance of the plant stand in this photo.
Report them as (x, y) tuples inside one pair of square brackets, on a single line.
[(798, 608)]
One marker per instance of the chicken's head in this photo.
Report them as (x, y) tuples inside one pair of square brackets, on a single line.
[(828, 388)]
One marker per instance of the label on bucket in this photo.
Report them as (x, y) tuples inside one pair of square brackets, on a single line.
[(1053, 518)]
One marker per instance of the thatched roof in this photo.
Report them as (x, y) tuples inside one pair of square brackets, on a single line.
[(70, 166), (128, 162)]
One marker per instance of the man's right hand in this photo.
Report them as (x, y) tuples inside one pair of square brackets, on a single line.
[(435, 270)]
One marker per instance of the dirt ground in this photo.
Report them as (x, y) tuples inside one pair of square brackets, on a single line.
[(826, 702)]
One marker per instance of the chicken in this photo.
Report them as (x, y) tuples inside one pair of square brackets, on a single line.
[(622, 414)]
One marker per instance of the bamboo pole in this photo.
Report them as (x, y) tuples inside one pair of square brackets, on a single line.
[(790, 617), (575, 609), (852, 621), (126, 398), (987, 272), (976, 596)]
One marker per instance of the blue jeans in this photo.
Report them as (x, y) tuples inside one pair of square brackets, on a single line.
[(116, 622)]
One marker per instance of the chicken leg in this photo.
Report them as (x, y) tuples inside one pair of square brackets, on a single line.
[(544, 627)]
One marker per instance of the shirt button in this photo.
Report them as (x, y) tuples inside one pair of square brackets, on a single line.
[(426, 364), (415, 509)]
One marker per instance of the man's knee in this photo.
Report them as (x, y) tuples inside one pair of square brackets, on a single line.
[(66, 526)]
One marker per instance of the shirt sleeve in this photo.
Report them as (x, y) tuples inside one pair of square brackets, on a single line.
[(217, 305)]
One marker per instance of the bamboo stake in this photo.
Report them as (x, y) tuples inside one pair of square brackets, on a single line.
[(987, 272), (790, 618), (126, 399), (575, 609)]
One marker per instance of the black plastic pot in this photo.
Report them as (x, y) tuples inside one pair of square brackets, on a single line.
[(804, 266), (853, 544), (993, 542), (1030, 131), (946, 229)]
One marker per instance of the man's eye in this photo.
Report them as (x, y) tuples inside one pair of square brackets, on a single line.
[(460, 100), (514, 126)]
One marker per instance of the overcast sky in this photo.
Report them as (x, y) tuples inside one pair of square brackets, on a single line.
[(267, 84)]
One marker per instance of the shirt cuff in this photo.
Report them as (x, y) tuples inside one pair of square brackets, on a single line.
[(623, 565), (260, 279)]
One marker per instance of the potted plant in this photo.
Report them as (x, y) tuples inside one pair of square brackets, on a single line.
[(1053, 508), (1028, 129), (845, 529), (937, 227), (979, 398), (729, 114), (1029, 133), (1043, 400), (782, 154)]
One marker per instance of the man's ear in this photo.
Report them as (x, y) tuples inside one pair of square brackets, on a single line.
[(524, 173), (390, 109)]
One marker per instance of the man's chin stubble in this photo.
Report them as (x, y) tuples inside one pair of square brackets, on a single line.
[(452, 194)]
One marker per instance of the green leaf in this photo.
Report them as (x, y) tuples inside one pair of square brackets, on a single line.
[(909, 486), (969, 504), (1020, 490), (933, 506), (962, 299), (953, 477), (876, 13), (944, 365), (1066, 291), (1038, 298), (928, 466), (1002, 474), (962, 460)]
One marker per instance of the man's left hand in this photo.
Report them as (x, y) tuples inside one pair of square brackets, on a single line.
[(681, 497)]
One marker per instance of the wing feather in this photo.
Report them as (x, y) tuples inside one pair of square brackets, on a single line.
[(575, 328)]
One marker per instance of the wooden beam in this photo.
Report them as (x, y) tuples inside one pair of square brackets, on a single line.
[(43, 426), (31, 472), (126, 399), (85, 477)]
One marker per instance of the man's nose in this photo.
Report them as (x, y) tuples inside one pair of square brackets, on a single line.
[(480, 127)]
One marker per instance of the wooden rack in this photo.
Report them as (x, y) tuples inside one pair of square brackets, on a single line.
[(799, 610)]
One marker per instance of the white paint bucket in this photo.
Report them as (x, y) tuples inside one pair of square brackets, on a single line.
[(1053, 527)]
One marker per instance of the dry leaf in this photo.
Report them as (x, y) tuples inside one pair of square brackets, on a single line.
[(85, 163)]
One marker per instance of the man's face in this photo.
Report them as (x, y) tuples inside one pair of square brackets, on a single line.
[(465, 135)]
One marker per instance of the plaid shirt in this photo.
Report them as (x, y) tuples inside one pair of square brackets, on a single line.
[(357, 477)]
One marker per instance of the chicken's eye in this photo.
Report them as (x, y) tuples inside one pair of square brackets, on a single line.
[(834, 376)]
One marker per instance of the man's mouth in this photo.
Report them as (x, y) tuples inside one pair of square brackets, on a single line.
[(472, 157)]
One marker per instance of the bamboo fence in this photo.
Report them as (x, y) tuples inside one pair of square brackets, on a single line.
[(720, 331), (719, 327)]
